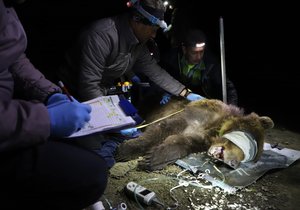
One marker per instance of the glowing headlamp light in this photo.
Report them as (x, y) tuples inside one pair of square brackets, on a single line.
[(200, 44)]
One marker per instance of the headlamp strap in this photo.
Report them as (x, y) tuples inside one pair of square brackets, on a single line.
[(154, 20)]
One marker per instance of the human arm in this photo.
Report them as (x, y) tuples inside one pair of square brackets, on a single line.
[(67, 117), (98, 60), (24, 118), (147, 65), (163, 79), (30, 83), (24, 122), (27, 123), (185, 93), (189, 95)]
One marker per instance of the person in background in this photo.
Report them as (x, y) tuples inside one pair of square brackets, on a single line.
[(196, 67), (38, 170), (115, 46), (112, 48)]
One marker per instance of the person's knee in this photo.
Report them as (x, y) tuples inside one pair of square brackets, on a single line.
[(101, 182), (101, 176), (97, 183)]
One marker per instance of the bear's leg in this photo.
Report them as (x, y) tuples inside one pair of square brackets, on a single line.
[(154, 135), (131, 149), (172, 149)]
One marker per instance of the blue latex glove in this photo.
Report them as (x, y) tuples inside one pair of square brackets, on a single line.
[(135, 79), (165, 99), (131, 132), (56, 97), (194, 97), (67, 117)]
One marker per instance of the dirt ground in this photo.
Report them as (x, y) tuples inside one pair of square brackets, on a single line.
[(277, 189)]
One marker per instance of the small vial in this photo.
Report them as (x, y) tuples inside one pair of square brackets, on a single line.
[(122, 206), (97, 206)]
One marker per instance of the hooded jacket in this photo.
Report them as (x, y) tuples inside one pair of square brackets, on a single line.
[(105, 51), (24, 119)]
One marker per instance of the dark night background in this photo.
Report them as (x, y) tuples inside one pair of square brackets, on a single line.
[(261, 44)]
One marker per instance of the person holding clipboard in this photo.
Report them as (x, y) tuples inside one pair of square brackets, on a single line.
[(38, 170)]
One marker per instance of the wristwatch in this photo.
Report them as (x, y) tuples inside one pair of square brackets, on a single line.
[(185, 92)]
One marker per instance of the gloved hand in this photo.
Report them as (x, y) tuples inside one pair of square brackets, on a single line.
[(56, 97), (135, 79), (67, 117), (165, 99), (131, 132), (194, 97)]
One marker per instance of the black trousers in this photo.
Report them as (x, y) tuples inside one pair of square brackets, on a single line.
[(54, 175)]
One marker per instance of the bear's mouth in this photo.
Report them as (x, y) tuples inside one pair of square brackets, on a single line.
[(217, 152)]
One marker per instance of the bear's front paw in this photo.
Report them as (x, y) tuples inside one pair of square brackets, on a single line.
[(121, 156), (125, 152), (150, 162), (161, 156)]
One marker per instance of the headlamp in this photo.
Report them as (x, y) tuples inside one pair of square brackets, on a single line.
[(193, 44), (151, 18), (200, 44)]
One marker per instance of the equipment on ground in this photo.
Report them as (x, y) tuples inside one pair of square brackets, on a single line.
[(141, 194)]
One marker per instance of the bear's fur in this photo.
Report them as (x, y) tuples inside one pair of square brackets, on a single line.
[(199, 127)]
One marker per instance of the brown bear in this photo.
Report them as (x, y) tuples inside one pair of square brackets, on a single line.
[(210, 125)]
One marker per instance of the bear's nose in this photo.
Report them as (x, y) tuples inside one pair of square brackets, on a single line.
[(216, 152)]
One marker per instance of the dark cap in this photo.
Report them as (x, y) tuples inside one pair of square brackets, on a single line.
[(194, 37), (149, 12), (158, 13), (154, 7)]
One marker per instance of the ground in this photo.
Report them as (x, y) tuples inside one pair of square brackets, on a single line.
[(278, 189)]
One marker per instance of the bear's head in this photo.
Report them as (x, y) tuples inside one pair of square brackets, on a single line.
[(240, 139)]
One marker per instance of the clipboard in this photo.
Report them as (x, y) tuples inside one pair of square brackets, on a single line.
[(109, 113)]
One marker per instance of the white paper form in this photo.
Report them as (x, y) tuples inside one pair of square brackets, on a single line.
[(106, 115)]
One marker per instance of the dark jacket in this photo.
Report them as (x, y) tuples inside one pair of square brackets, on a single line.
[(210, 84), (24, 119), (105, 51)]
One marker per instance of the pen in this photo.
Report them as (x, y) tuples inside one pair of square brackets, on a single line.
[(63, 87)]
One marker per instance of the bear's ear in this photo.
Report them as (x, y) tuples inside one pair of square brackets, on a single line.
[(266, 122)]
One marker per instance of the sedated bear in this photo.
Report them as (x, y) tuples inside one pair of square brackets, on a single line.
[(208, 125)]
